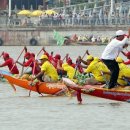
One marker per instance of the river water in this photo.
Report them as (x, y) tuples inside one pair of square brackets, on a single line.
[(20, 112)]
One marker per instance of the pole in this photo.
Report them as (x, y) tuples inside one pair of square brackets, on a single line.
[(112, 7), (9, 8)]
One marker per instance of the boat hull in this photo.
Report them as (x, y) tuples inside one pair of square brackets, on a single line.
[(118, 94), (42, 87)]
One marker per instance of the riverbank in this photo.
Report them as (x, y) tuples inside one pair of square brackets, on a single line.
[(44, 35)]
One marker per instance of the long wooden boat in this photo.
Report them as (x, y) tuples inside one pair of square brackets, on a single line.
[(119, 93), (42, 87)]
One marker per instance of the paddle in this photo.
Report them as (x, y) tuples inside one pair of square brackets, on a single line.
[(23, 62), (17, 60), (128, 82), (33, 73), (1, 54)]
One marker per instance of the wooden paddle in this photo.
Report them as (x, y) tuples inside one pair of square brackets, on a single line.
[(1, 54), (33, 74), (17, 60), (25, 48)]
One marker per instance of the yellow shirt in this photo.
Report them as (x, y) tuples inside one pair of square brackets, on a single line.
[(124, 70), (70, 71), (49, 70), (96, 67)]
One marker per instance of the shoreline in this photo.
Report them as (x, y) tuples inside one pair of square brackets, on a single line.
[(21, 36)]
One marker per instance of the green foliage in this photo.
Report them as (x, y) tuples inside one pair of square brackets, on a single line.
[(82, 78)]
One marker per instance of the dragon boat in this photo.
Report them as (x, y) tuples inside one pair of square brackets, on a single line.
[(119, 93), (41, 87)]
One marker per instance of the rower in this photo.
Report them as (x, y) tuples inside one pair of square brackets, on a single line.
[(70, 71), (124, 73), (48, 72), (30, 63), (10, 63), (98, 69)]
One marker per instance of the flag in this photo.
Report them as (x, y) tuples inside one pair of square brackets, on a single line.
[(59, 38)]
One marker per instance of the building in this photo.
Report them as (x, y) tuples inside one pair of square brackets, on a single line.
[(3, 4)]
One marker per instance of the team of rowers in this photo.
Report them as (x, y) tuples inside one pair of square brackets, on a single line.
[(51, 68)]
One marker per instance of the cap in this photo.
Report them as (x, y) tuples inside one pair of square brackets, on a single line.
[(43, 57), (27, 54), (119, 33), (119, 60), (5, 55), (57, 56), (90, 57)]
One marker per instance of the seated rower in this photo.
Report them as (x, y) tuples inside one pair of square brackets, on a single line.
[(124, 73), (8, 61), (98, 69), (30, 57), (48, 72), (71, 72)]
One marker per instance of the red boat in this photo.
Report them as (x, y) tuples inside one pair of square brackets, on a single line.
[(120, 93)]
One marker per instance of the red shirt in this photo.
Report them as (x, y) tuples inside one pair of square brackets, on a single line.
[(12, 67), (30, 63)]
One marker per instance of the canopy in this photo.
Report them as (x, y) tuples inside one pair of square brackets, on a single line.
[(37, 13), (49, 12), (24, 12)]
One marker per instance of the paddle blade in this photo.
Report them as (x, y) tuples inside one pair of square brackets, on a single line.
[(12, 85)]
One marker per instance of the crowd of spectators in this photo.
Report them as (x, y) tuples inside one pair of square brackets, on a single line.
[(74, 19)]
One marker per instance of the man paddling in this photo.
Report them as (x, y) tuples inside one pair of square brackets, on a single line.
[(30, 63), (111, 52), (10, 63), (48, 72)]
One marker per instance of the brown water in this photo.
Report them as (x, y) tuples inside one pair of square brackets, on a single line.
[(20, 112)]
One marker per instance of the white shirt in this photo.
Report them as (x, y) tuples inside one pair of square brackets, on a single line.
[(113, 49)]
